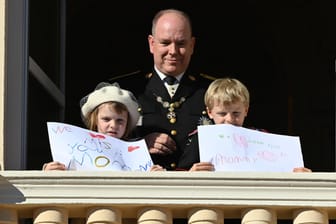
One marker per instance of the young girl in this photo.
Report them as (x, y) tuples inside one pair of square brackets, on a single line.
[(227, 101), (109, 110)]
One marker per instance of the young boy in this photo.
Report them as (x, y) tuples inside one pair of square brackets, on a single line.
[(227, 101), (109, 110)]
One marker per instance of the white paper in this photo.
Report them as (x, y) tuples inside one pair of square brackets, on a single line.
[(232, 148), (82, 149)]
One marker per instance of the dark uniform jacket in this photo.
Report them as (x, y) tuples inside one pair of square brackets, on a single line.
[(188, 107), (190, 154)]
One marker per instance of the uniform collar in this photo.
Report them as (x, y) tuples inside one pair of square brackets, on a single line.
[(162, 76)]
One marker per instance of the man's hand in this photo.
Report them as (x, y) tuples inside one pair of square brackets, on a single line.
[(160, 143)]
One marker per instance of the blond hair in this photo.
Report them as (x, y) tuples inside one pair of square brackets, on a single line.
[(226, 91)]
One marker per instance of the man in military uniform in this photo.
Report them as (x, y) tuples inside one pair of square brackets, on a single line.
[(172, 103), (173, 99), (176, 116)]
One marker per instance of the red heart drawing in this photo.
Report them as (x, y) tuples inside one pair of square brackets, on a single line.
[(97, 136), (132, 148)]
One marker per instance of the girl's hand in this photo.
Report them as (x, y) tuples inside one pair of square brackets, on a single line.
[(53, 166), (157, 168)]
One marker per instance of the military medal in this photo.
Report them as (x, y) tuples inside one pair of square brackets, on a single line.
[(171, 115)]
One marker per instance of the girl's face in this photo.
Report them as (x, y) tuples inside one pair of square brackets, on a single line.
[(233, 113), (111, 123)]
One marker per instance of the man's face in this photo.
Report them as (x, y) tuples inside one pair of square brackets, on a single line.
[(172, 44)]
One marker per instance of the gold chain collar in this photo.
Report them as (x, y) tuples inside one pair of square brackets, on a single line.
[(171, 115)]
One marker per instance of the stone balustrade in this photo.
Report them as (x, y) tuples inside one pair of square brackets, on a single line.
[(61, 197)]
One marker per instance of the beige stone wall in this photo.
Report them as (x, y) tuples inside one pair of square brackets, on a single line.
[(2, 75)]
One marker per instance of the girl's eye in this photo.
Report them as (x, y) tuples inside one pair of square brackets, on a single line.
[(121, 121)]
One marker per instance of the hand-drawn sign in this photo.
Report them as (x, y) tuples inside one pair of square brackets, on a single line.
[(232, 148), (82, 149)]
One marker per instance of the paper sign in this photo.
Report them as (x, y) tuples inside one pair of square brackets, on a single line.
[(232, 148), (82, 149)]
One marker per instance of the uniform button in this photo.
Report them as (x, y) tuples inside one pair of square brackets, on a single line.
[(173, 132), (204, 112), (173, 165), (172, 120)]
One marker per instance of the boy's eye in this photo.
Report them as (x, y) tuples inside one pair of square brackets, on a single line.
[(236, 114)]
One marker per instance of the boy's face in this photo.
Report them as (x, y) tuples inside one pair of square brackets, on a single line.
[(233, 113)]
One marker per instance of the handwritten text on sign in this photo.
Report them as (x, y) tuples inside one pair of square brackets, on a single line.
[(82, 149), (232, 148)]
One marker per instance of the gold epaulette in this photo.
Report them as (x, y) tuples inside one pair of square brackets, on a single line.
[(208, 76), (148, 75), (191, 77)]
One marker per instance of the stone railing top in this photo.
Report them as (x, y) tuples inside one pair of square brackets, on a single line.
[(173, 189)]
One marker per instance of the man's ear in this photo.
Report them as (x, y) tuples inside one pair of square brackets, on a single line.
[(150, 42)]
